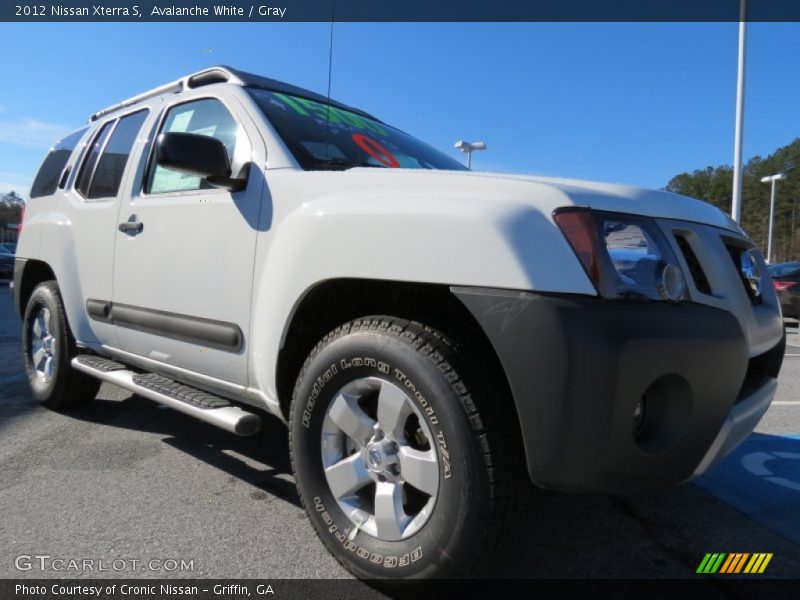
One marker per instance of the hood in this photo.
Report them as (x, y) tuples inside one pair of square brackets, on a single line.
[(631, 199), (570, 192)]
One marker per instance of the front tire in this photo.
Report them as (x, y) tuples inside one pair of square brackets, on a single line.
[(399, 472), (49, 348)]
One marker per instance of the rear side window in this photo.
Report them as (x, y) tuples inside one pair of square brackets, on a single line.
[(104, 165), (50, 172), (90, 160), (111, 166)]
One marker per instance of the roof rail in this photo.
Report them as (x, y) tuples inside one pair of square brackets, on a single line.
[(218, 74), (174, 88), (223, 74)]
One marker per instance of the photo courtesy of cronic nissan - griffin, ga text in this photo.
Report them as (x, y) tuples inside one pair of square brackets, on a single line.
[(230, 246)]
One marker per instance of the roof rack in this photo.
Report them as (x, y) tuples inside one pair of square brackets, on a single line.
[(223, 74), (174, 88)]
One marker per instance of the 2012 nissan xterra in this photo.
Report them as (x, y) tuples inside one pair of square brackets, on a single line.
[(230, 246)]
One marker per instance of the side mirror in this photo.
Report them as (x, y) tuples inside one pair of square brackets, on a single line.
[(199, 155)]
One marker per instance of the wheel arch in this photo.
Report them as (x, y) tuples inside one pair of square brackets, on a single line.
[(334, 302), (28, 274)]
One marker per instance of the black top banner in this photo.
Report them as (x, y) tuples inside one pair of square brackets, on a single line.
[(397, 11)]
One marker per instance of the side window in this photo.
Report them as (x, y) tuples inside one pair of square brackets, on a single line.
[(104, 165), (203, 117), (90, 160), (49, 174), (111, 166)]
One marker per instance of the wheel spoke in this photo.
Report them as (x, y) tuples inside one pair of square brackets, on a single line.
[(420, 469), (349, 417), (390, 518), (49, 367), (347, 476), (46, 321), (37, 325), (393, 409), (38, 355)]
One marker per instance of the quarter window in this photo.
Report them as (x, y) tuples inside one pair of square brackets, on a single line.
[(50, 172), (202, 117)]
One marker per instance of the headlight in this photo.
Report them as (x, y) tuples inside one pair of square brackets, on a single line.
[(625, 256)]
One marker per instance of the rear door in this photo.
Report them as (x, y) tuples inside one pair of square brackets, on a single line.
[(93, 204), (183, 272)]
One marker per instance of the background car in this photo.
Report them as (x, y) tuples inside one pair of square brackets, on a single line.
[(6, 261), (786, 279)]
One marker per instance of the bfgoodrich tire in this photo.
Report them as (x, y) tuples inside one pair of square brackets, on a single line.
[(402, 469), (49, 348)]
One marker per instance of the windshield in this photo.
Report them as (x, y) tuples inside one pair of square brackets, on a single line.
[(352, 140)]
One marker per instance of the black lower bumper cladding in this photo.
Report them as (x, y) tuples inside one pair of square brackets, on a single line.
[(579, 366)]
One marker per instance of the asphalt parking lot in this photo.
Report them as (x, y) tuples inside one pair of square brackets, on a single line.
[(123, 478)]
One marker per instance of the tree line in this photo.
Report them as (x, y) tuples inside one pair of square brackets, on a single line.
[(715, 185), (11, 205)]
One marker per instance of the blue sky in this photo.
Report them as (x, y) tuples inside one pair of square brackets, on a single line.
[(635, 103)]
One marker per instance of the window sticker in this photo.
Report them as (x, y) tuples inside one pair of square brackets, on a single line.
[(180, 123), (376, 151), (209, 131), (306, 126), (319, 150), (335, 116), (169, 180)]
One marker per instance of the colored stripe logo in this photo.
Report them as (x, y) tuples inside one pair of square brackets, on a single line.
[(734, 563)]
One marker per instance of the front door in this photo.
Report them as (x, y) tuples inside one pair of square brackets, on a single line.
[(183, 264)]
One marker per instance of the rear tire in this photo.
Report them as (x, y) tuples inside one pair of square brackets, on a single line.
[(337, 399), (49, 348)]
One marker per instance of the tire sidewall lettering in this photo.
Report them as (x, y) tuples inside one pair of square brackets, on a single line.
[(334, 523)]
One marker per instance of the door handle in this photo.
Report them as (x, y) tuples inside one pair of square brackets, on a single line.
[(131, 227)]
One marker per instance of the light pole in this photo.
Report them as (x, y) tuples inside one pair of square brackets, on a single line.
[(771, 179), (469, 148), (736, 204)]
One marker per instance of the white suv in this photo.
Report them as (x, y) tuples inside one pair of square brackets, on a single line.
[(229, 245)]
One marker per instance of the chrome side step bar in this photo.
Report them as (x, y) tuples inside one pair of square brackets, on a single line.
[(183, 398)]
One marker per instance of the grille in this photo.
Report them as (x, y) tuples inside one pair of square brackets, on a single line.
[(695, 270), (735, 253)]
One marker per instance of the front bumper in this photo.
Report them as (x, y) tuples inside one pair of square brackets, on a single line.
[(577, 367)]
